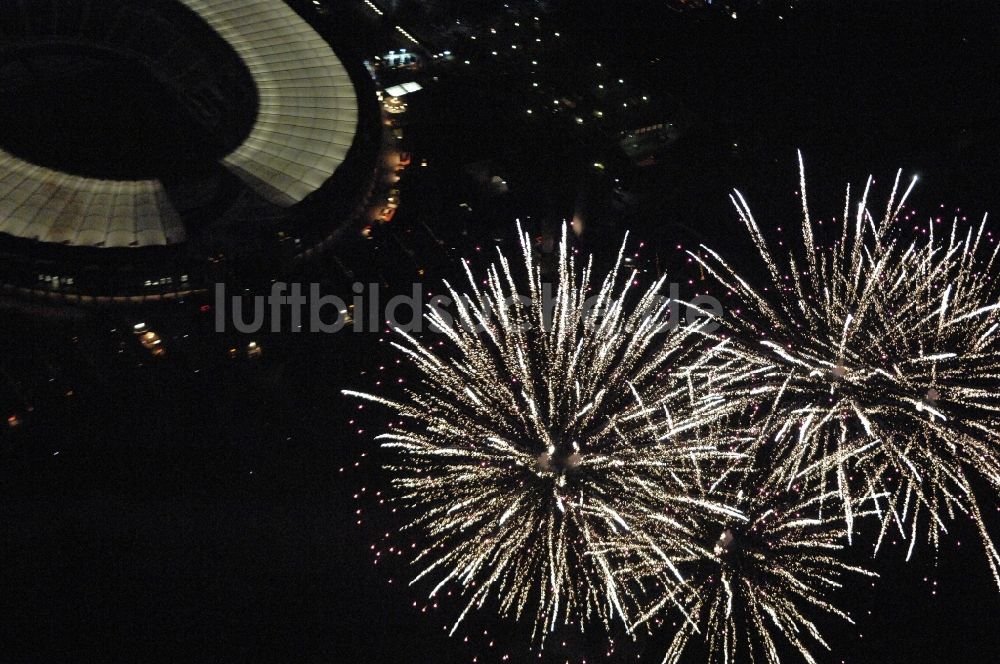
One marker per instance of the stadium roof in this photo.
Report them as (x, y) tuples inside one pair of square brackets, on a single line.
[(41, 204), (304, 128), (308, 105)]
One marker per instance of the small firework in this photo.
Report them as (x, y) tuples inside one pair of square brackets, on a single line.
[(752, 594)]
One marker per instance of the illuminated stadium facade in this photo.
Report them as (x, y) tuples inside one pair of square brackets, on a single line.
[(253, 144)]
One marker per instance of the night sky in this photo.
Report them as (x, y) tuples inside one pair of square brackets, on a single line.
[(198, 509)]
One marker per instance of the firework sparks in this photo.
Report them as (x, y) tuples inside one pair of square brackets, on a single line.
[(751, 595), (890, 360), (540, 435)]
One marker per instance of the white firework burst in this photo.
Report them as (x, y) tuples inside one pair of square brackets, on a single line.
[(534, 436), (751, 591), (888, 362)]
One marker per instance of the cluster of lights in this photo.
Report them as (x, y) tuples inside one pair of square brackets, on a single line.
[(406, 34)]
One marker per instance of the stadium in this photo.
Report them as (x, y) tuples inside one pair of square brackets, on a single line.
[(149, 149)]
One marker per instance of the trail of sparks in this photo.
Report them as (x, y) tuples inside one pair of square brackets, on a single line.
[(539, 436), (891, 361)]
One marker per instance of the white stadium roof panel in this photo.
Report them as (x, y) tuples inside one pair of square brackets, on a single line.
[(41, 204)]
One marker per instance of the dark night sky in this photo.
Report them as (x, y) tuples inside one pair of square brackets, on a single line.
[(205, 517)]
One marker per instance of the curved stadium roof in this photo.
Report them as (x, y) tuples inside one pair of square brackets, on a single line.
[(305, 126)]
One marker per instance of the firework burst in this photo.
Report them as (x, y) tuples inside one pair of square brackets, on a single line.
[(752, 596), (749, 582), (889, 362), (538, 432)]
